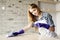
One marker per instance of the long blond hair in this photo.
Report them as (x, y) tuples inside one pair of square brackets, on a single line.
[(31, 17)]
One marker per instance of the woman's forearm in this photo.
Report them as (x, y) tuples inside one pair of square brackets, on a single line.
[(27, 27)]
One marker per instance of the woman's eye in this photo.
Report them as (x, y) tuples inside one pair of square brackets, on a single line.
[(33, 10)]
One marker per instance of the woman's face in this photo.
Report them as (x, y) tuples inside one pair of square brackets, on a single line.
[(34, 11)]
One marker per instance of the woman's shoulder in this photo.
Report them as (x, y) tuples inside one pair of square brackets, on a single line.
[(46, 14)]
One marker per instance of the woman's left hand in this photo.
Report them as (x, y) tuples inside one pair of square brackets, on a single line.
[(52, 29)]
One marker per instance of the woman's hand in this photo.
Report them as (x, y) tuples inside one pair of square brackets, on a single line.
[(52, 29)]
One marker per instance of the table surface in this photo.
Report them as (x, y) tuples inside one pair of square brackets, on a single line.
[(27, 36)]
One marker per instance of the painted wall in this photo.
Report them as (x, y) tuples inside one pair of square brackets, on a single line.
[(58, 17)]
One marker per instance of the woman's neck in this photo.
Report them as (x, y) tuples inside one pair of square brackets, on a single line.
[(40, 15)]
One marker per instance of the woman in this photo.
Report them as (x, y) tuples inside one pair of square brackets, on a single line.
[(40, 20)]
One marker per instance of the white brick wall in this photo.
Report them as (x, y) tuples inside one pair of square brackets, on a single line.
[(14, 16)]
